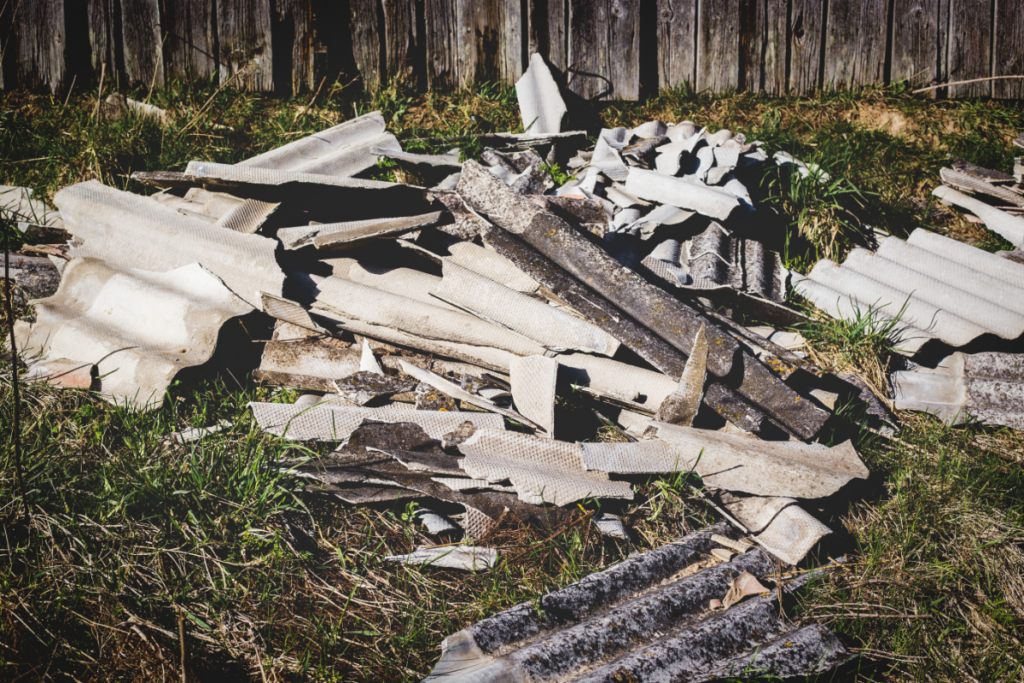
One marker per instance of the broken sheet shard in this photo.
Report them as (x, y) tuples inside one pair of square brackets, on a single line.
[(540, 103)]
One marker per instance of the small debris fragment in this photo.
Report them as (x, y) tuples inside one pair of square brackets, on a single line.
[(465, 557)]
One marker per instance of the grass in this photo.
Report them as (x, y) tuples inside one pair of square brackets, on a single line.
[(273, 582)]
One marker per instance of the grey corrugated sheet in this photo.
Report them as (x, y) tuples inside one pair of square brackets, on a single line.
[(953, 292), (637, 621), (987, 386)]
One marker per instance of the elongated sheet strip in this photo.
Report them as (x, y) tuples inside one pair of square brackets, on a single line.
[(1011, 228), (971, 183), (682, 405), (533, 389), (407, 282), (520, 313), (492, 266), (228, 174), (681, 193), (540, 104), (328, 234), (541, 470), (138, 327), (469, 558), (137, 232)]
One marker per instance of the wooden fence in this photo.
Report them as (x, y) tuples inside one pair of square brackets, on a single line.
[(612, 48)]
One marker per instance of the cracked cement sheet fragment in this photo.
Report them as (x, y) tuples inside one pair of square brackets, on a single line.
[(715, 258), (606, 157), (291, 312), (740, 463), (354, 301), (681, 193), (492, 266), (436, 525), (987, 386), (541, 470), (137, 232), (300, 357), (466, 484), (533, 389), (521, 171), (967, 182), (405, 282), (139, 328), (367, 361), (1009, 227), (665, 262), (18, 204), (529, 317), (466, 557), (228, 175), (778, 524), (341, 151), (330, 422), (541, 106), (938, 288), (455, 391), (681, 406), (449, 159), (324, 235), (227, 211), (643, 620), (362, 387)]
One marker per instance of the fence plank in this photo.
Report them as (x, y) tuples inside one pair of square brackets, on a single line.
[(806, 43), (855, 42), (366, 40), (763, 39), (101, 35), (718, 45), (547, 25), (489, 36), (40, 44), (677, 43), (142, 42), (401, 42), (1009, 47), (293, 32), (915, 41), (243, 34), (970, 40), (604, 45), (190, 46)]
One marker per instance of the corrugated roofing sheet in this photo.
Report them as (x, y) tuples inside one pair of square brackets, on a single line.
[(938, 287)]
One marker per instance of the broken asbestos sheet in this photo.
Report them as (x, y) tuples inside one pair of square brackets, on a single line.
[(646, 619), (778, 524), (467, 557), (541, 470), (540, 104), (332, 234), (681, 193), (733, 462), (138, 328), (939, 288), (986, 386), (128, 230), (1010, 228)]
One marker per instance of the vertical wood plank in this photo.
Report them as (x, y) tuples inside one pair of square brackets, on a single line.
[(943, 66), (855, 42), (1009, 49), (677, 43), (488, 40), (718, 45), (190, 45), (401, 43), (101, 35), (548, 24), (604, 45), (40, 44), (806, 42), (293, 39), (142, 42), (366, 40), (776, 36), (970, 46), (763, 36), (915, 41), (439, 22), (244, 40)]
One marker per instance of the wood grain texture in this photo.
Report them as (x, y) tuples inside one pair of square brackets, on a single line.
[(855, 42), (763, 37), (489, 35), (1008, 59), (547, 28), (142, 42), (190, 47), (244, 43), (718, 45), (367, 35), (970, 46), (604, 45), (915, 41), (100, 15), (41, 40), (401, 43), (293, 37), (806, 42), (677, 43)]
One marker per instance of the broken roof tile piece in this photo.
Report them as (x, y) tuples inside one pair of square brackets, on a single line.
[(938, 288), (533, 389), (541, 106), (986, 386), (139, 328)]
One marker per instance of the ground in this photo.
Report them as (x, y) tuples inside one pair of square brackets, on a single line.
[(131, 543)]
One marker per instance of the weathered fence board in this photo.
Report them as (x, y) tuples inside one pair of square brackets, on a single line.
[(855, 42), (604, 47), (763, 38), (915, 41), (806, 42), (489, 35), (39, 27), (245, 45), (677, 43), (293, 23), (100, 15), (143, 44), (439, 19), (970, 43), (1009, 49), (190, 46), (401, 41), (366, 40), (547, 23), (718, 45)]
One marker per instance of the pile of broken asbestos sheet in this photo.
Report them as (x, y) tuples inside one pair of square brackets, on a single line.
[(956, 312)]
